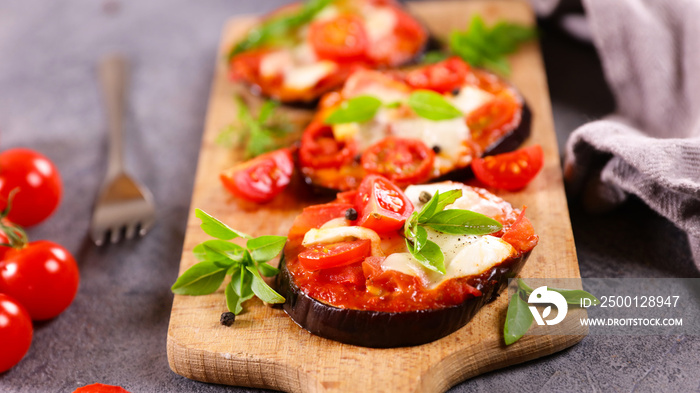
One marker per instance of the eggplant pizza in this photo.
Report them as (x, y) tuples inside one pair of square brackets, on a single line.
[(411, 126), (303, 50), (349, 274)]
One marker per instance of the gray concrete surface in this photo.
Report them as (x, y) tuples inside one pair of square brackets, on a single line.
[(115, 331)]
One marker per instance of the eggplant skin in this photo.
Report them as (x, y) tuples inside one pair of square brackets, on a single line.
[(377, 329)]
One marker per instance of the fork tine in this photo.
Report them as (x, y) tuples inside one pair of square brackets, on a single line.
[(115, 235), (145, 227), (130, 231)]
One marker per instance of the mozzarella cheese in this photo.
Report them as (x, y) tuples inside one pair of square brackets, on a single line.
[(307, 76), (470, 98), (447, 135), (379, 22), (336, 234), (464, 255)]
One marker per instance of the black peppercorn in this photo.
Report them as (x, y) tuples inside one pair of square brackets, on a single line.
[(424, 197), (227, 318), (437, 149), (351, 214)]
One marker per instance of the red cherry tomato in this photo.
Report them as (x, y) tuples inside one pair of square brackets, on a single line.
[(343, 38), (521, 235), (15, 332), (493, 116), (509, 171), (262, 178), (325, 256), (403, 161), (42, 275), (383, 207), (4, 249), (320, 149), (315, 216), (443, 77), (38, 184), (408, 38), (100, 388)]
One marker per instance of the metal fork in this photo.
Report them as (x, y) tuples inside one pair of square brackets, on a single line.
[(123, 206)]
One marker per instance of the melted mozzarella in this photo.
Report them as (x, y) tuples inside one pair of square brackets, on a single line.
[(307, 76), (470, 98), (341, 233), (448, 135), (275, 63), (379, 22), (464, 255)]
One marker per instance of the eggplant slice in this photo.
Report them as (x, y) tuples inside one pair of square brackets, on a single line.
[(376, 329)]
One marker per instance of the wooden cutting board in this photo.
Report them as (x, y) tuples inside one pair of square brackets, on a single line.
[(265, 349)]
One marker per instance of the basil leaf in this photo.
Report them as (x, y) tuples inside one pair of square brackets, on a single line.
[(463, 222), (432, 105), (220, 250), (420, 239), (240, 282), (358, 109), (267, 270), (200, 253), (264, 248), (201, 279), (518, 319), (266, 110), (434, 57), (262, 290), (278, 26), (429, 256), (233, 301), (437, 204), (447, 198), (215, 228)]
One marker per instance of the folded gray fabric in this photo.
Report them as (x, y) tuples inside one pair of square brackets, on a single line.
[(650, 50)]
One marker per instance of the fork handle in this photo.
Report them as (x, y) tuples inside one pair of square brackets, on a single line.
[(113, 70)]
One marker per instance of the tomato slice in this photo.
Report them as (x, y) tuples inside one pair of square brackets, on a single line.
[(443, 77), (383, 207), (403, 161), (317, 215), (521, 235), (342, 38), (407, 39), (262, 178), (509, 171), (325, 256), (342, 197), (320, 149), (493, 116)]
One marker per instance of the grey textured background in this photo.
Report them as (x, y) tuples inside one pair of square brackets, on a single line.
[(115, 331)]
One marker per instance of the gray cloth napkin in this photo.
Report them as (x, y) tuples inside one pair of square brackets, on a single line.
[(650, 50)]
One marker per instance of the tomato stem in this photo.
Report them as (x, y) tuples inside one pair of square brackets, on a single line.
[(15, 234)]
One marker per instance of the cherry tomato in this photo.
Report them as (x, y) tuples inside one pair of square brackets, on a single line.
[(402, 45), (521, 235), (443, 77), (493, 116), (15, 332), (320, 149), (342, 38), (509, 171), (325, 256), (262, 178), (4, 249), (403, 161), (383, 207), (100, 388), (346, 196), (42, 275), (317, 215), (38, 184)]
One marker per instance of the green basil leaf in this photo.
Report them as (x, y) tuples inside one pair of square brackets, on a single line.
[(420, 239), (437, 204), (432, 105), (262, 290), (279, 26), (518, 319), (267, 270), (201, 254), (463, 222), (201, 279), (447, 198), (221, 250), (215, 228), (429, 256), (266, 110), (233, 301), (434, 57), (241, 283), (264, 248), (358, 109), (409, 228)]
